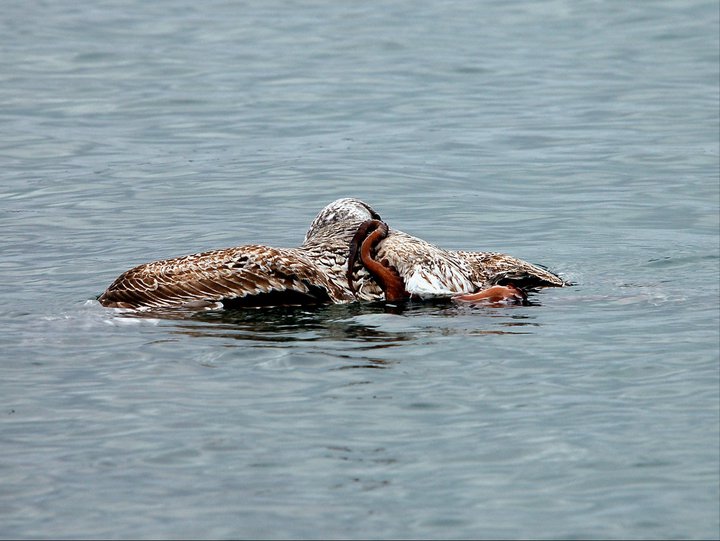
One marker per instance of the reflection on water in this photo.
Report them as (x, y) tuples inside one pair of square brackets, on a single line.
[(367, 325)]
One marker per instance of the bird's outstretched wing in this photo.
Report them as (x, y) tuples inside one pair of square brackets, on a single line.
[(244, 276), (493, 268)]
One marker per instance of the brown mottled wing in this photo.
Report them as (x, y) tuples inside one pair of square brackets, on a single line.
[(490, 268), (251, 275)]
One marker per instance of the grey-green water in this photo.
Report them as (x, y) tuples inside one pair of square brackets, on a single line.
[(582, 135)]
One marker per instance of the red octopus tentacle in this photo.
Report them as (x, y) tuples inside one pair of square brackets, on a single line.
[(384, 274)]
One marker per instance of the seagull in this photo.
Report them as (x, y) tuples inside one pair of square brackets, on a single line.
[(348, 254)]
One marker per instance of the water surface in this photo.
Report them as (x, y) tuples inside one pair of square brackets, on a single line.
[(578, 135)]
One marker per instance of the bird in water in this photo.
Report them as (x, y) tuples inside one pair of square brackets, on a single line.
[(348, 254)]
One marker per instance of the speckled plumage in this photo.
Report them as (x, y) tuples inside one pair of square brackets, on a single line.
[(314, 272), (251, 275)]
